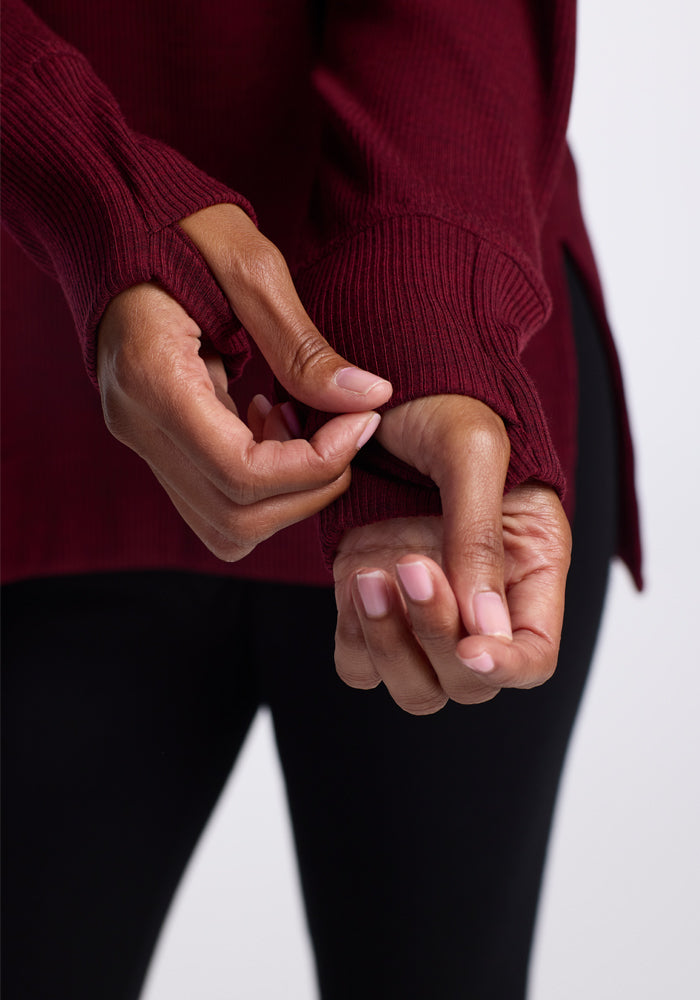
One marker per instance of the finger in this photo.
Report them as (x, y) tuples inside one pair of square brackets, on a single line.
[(223, 546), (395, 654), (281, 463), (216, 371), (231, 531), (463, 446), (254, 276), (245, 528), (168, 384), (353, 663), (259, 408), (272, 423), (225, 451), (283, 423), (435, 619), (267, 304), (537, 609), (472, 498)]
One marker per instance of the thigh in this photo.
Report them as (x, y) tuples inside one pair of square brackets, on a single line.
[(422, 840), (124, 707)]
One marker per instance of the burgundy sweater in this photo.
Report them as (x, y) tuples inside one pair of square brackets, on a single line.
[(409, 159)]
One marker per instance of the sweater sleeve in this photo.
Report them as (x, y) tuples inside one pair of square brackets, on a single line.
[(94, 203), (444, 132)]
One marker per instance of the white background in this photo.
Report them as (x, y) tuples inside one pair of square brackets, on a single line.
[(621, 910)]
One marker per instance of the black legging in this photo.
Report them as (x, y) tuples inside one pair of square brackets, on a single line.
[(420, 840)]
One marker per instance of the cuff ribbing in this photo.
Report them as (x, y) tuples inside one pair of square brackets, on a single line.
[(174, 262), (435, 309), (96, 205)]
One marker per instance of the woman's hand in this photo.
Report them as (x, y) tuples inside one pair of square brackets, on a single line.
[(233, 483), (459, 606)]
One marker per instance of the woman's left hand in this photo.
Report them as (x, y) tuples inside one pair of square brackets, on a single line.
[(459, 606)]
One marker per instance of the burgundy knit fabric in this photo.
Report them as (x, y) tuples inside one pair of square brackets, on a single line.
[(408, 157)]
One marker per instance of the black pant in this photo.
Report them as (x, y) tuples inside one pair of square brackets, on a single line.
[(420, 840)]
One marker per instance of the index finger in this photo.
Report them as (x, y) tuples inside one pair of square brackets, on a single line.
[(224, 449)]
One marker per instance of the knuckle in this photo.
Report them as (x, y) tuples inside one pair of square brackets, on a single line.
[(564, 552), (348, 635), (330, 471), (469, 693), (421, 702), (232, 538), (436, 633), (245, 484), (241, 493), (352, 664), (499, 434), (489, 436), (308, 354), (538, 664), (115, 396), (501, 439), (386, 651), (130, 432), (244, 528), (486, 551), (544, 674), (226, 549), (115, 420), (115, 363), (259, 264), (357, 677)]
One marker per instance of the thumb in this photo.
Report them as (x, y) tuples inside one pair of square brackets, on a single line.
[(256, 280), (463, 446), (473, 558)]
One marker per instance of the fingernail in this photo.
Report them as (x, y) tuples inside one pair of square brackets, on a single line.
[(370, 428), (373, 594), (262, 405), (291, 420), (357, 380), (481, 664), (492, 618), (416, 580)]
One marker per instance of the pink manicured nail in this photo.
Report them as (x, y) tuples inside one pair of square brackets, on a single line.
[(491, 615), (291, 419), (481, 664), (416, 580), (262, 405), (357, 380), (373, 594), (369, 430)]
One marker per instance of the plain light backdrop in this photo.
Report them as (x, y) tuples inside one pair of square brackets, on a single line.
[(620, 916)]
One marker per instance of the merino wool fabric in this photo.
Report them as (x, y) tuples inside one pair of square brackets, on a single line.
[(408, 157)]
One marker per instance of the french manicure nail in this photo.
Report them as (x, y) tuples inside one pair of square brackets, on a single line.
[(291, 420), (357, 380), (481, 664), (373, 594), (491, 615), (416, 580), (370, 428)]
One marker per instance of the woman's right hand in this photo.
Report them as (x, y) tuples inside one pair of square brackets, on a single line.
[(234, 483)]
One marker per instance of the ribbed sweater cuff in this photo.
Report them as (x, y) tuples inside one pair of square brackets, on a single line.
[(97, 205), (174, 262), (435, 309)]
